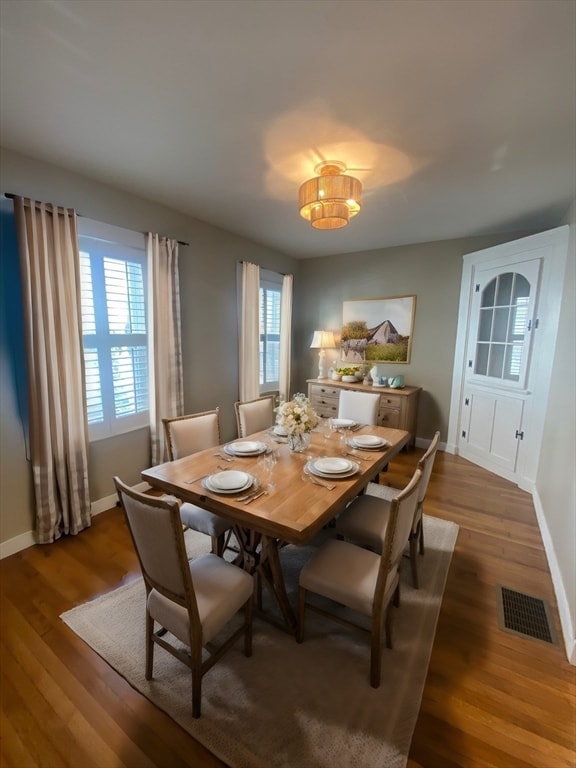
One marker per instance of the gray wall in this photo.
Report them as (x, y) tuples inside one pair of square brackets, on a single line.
[(432, 272), (208, 271)]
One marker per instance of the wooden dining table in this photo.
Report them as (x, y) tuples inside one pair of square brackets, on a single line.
[(292, 510)]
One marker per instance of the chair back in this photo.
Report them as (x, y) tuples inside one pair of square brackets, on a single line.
[(426, 463), (156, 530), (254, 415), (402, 511), (362, 407), (192, 433)]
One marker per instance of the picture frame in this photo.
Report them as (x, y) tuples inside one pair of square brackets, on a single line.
[(377, 330)]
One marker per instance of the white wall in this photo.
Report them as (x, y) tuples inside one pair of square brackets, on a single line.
[(555, 493)]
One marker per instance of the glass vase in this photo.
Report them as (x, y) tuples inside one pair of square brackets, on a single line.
[(299, 442)]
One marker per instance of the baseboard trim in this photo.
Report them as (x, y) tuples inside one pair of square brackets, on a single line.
[(17, 544), (27, 539), (421, 442), (566, 621)]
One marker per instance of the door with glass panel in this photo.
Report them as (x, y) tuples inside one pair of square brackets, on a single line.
[(502, 323)]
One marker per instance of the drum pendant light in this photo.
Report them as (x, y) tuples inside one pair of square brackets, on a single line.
[(329, 200)]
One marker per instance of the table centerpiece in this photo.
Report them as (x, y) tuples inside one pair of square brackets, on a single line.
[(298, 418)]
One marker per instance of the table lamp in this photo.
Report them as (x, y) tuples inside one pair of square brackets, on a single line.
[(322, 340)]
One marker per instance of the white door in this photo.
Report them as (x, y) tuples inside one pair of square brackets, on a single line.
[(504, 352), (502, 326)]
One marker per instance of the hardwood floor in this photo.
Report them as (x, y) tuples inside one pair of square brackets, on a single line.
[(491, 698)]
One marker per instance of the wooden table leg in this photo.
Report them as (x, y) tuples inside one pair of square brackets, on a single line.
[(275, 580), (259, 555)]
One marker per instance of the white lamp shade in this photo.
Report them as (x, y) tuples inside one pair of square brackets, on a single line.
[(323, 340)]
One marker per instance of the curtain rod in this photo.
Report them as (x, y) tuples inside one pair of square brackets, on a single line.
[(266, 269), (11, 196)]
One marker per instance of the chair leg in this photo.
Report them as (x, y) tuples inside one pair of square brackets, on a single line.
[(249, 614), (421, 537), (301, 611), (413, 561), (196, 668), (376, 651), (258, 577), (149, 646), (396, 597), (388, 626), (218, 545)]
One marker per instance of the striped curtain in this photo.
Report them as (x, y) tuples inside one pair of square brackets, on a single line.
[(285, 337), (50, 271), (164, 343), (249, 363)]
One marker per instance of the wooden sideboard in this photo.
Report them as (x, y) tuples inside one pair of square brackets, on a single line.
[(398, 407)]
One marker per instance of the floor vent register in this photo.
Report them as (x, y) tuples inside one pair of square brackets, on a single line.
[(525, 615)]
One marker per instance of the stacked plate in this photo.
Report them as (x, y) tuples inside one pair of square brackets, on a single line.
[(368, 442), (246, 448), (332, 467), (279, 431), (228, 481), (343, 423)]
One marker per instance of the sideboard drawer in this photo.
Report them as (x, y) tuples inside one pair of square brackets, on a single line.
[(325, 408), (390, 401), (323, 391), (390, 417)]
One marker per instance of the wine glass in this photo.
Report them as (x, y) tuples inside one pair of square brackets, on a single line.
[(266, 463), (327, 428)]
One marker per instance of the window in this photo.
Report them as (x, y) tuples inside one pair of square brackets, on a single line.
[(270, 297), (114, 328), (502, 328)]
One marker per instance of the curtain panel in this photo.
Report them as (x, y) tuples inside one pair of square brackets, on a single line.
[(50, 270), (249, 347), (164, 345), (285, 337)]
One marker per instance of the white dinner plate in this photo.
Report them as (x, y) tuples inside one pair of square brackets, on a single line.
[(333, 465), (343, 423), (215, 482), (280, 431), (368, 441), (246, 448), (311, 469), (229, 480)]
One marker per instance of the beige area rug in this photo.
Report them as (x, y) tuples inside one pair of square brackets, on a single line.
[(290, 705)]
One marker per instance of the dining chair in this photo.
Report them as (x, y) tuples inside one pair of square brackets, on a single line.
[(365, 520), (364, 581), (254, 415), (193, 599), (362, 407), (186, 435)]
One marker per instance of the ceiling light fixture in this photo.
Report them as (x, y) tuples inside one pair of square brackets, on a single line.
[(329, 200)]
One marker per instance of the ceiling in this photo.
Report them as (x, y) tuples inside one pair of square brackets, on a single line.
[(458, 116)]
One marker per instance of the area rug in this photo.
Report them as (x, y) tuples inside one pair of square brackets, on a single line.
[(290, 705)]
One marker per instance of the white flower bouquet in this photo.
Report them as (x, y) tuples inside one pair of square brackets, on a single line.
[(297, 415)]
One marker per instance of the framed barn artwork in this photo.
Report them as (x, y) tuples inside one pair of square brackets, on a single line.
[(377, 330)]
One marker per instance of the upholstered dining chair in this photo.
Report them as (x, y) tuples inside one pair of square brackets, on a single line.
[(186, 435), (362, 580), (366, 519), (192, 599), (362, 407), (254, 415)]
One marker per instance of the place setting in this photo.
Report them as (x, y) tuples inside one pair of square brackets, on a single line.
[(367, 442), (247, 448), (230, 482), (279, 434), (332, 467)]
